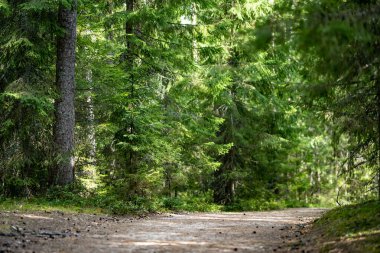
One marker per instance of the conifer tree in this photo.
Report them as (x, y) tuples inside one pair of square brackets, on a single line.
[(63, 172)]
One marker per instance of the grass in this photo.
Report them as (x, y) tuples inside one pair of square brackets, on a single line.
[(43, 204), (351, 228), (67, 201), (77, 198)]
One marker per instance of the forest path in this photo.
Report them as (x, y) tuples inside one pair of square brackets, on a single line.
[(272, 231)]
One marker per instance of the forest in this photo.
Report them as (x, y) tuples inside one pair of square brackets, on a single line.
[(207, 108), (197, 105)]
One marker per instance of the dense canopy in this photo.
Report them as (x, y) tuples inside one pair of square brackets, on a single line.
[(244, 104)]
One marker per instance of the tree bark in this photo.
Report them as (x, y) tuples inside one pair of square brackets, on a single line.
[(378, 137), (91, 137), (63, 171)]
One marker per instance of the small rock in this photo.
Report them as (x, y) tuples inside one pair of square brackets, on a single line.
[(6, 244), (7, 234), (16, 228)]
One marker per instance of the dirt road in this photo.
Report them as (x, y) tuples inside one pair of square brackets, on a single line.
[(274, 231)]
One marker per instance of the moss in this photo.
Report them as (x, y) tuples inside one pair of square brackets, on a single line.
[(352, 228)]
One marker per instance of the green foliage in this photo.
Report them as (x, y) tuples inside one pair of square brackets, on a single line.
[(4, 7), (24, 162), (341, 39), (182, 104), (26, 97), (186, 202)]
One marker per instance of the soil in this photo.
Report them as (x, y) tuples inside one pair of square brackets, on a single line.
[(272, 231)]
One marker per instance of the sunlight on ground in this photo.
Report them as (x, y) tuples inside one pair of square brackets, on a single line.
[(281, 219), (32, 216), (183, 245), (361, 236), (162, 243)]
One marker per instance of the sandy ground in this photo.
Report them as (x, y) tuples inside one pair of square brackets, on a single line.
[(274, 231)]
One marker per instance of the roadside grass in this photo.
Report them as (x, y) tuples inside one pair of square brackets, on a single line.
[(351, 228), (77, 198), (72, 202), (43, 204), (105, 205)]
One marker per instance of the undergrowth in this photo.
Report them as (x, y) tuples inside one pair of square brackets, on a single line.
[(78, 198)]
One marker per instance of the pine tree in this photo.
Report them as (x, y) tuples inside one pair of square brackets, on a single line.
[(26, 62), (63, 172)]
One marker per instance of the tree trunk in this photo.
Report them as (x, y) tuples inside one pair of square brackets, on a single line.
[(91, 137), (63, 171), (131, 164), (224, 182), (378, 137)]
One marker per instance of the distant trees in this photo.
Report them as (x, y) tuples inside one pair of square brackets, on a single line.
[(340, 43), (213, 100)]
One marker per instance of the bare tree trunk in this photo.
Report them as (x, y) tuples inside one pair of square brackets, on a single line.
[(194, 22), (378, 137), (108, 25), (63, 171), (91, 137)]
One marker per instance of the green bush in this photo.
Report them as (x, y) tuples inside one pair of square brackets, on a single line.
[(172, 203), (19, 187)]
